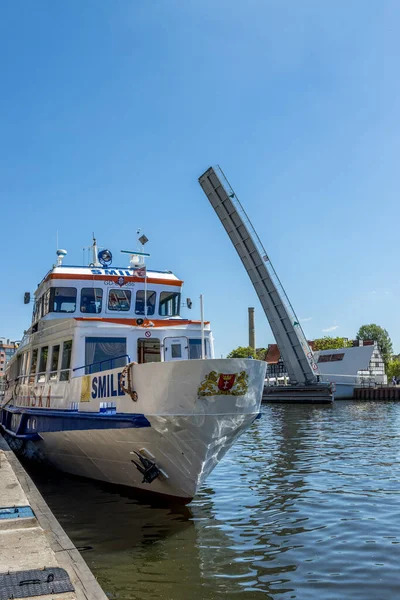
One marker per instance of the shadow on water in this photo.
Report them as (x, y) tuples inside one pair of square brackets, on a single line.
[(304, 506), (120, 536)]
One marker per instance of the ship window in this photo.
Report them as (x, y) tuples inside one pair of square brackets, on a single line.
[(43, 364), (63, 299), (25, 366), (19, 365), (36, 307), (66, 360), (195, 348), (33, 365), (46, 302), (169, 304), (119, 300), (151, 302), (55, 353), (102, 353), (40, 308), (149, 350), (91, 300), (176, 351)]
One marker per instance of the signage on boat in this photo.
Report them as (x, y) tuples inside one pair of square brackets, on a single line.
[(122, 272), (232, 384), (139, 272), (120, 281), (101, 386)]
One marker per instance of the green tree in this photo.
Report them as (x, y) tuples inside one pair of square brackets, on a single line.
[(260, 353), (379, 335), (246, 351), (393, 369), (331, 343), (242, 352)]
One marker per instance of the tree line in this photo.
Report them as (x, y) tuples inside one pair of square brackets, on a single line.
[(366, 332)]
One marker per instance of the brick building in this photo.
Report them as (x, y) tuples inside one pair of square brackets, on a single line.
[(7, 350)]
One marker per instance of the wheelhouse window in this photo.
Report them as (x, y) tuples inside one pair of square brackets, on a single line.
[(55, 353), (169, 304), (40, 307), (63, 299), (66, 360), (91, 300), (32, 370), (36, 308), (46, 302), (102, 353), (44, 352), (119, 300), (151, 302)]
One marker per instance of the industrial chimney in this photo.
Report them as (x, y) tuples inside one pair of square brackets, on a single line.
[(252, 333)]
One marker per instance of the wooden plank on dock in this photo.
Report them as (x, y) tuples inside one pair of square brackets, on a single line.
[(385, 393)]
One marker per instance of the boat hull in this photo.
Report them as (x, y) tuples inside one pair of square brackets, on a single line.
[(181, 419)]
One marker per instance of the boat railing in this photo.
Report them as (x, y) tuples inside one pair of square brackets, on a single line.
[(88, 368), (359, 379)]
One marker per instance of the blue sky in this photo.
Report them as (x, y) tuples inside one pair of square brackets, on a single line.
[(110, 111)]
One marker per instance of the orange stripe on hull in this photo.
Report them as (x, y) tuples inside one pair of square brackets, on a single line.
[(132, 322)]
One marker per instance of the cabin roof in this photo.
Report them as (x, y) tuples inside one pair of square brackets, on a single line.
[(72, 272), (355, 359)]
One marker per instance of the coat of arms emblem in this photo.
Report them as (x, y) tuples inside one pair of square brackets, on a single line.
[(232, 384), (225, 382)]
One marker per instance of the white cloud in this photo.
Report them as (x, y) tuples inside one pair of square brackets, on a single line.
[(305, 319), (330, 328)]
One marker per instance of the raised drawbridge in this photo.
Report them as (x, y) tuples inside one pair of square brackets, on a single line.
[(295, 351)]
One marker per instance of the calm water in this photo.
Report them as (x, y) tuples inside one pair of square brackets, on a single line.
[(306, 506)]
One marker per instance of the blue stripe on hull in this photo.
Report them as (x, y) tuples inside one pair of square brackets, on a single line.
[(29, 423)]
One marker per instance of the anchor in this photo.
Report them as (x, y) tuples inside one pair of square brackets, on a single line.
[(149, 469)]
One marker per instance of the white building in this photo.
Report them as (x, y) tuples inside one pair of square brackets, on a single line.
[(350, 367)]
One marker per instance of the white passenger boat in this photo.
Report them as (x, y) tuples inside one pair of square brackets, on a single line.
[(111, 383)]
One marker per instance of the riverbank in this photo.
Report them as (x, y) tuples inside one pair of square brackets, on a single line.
[(33, 542)]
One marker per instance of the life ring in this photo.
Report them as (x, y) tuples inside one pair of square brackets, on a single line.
[(126, 373)]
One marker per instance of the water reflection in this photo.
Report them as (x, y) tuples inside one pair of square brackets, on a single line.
[(304, 506)]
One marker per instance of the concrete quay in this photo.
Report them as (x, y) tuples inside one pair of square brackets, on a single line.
[(36, 541)]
